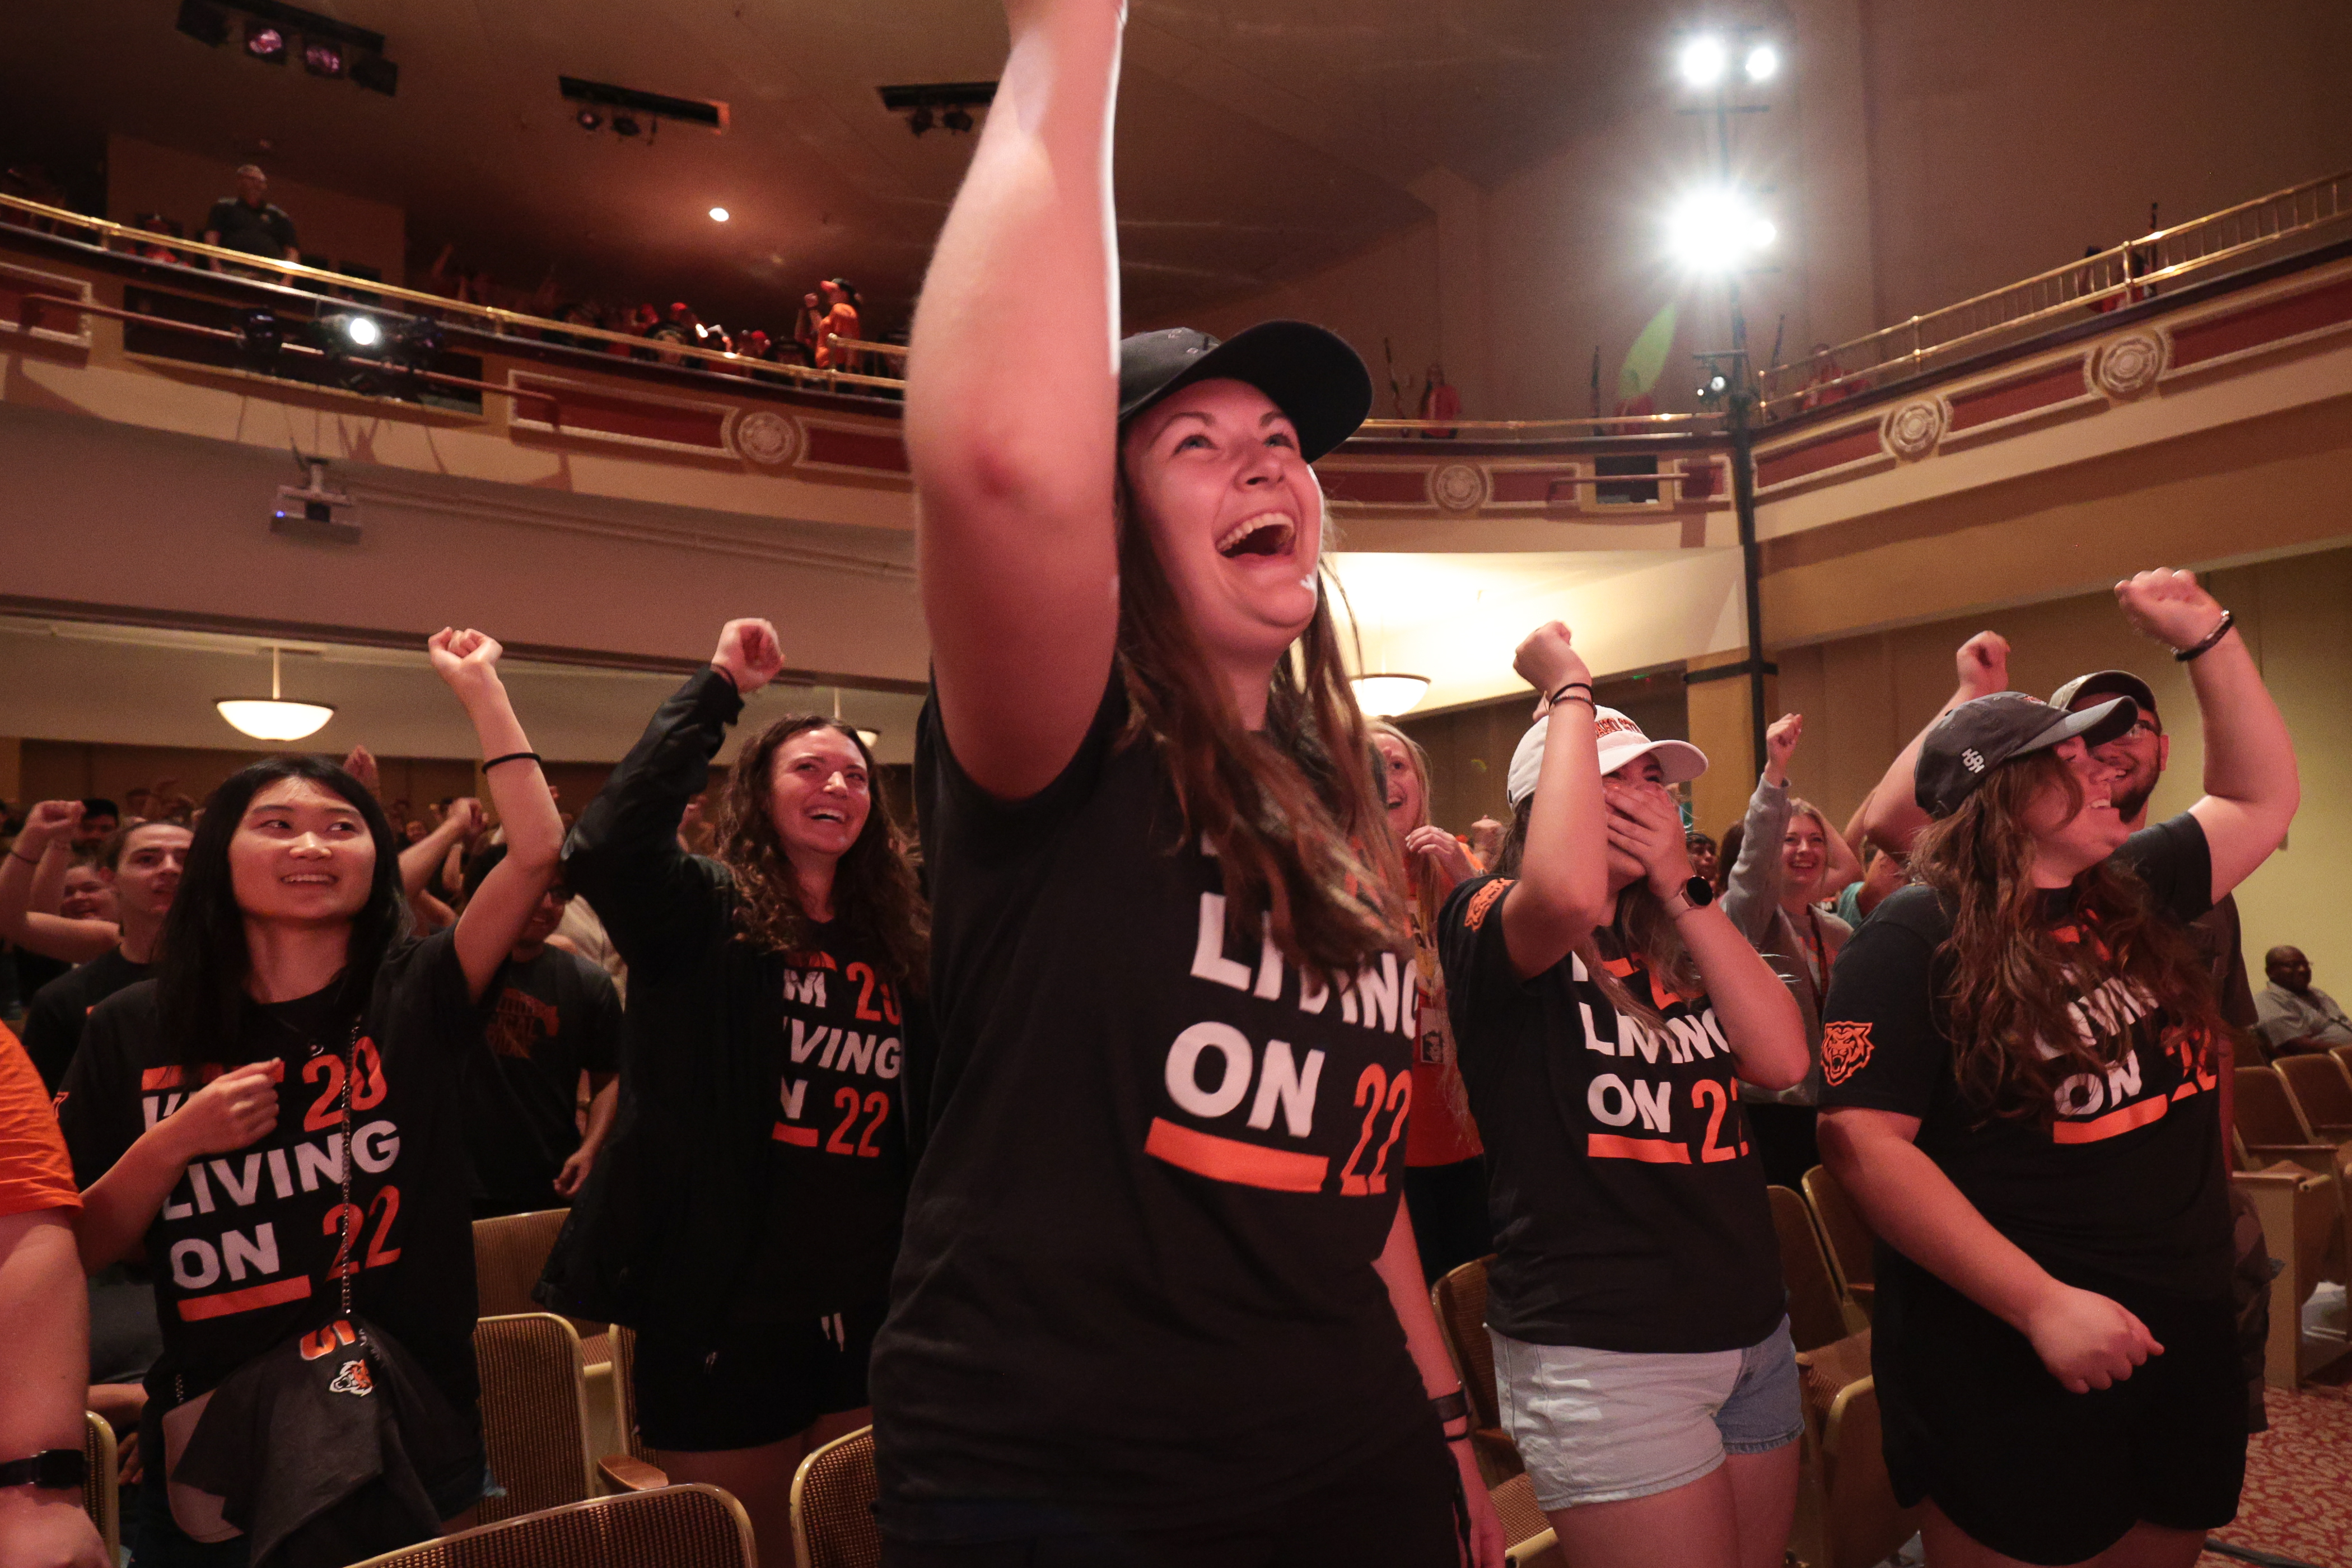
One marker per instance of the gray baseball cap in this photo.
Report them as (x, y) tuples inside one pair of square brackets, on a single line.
[(2106, 683), (1977, 737)]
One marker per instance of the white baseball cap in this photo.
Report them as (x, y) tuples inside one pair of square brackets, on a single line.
[(1620, 741)]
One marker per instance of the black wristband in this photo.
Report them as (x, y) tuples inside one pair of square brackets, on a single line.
[(1562, 693), (2212, 637), (52, 1469), (510, 757), (1449, 1407)]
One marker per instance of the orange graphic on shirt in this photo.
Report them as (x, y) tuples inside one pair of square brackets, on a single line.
[(1484, 900), (1845, 1050), (520, 1023)]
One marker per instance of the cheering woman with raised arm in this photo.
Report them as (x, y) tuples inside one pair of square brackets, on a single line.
[(2020, 1075), (279, 1116), (1157, 1300), (744, 1216)]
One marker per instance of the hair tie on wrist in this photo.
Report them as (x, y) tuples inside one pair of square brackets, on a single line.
[(510, 757), (27, 859), (1561, 695), (2212, 637)]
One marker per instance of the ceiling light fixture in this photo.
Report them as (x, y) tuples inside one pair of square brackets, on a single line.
[(719, 215), (624, 125), (956, 119), (920, 120), (1386, 696), (207, 24), (589, 120), (1715, 229), (264, 42), (1763, 61), (274, 718), (1703, 61), (323, 57)]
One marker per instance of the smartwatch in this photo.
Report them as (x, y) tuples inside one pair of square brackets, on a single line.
[(1699, 891), (57, 1469)]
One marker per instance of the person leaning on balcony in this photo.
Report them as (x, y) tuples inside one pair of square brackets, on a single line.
[(250, 222), (839, 320)]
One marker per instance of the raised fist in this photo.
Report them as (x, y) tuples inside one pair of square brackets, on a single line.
[(1547, 659), (49, 822), (2170, 606), (1983, 664), (1780, 744), (749, 655), (467, 659)]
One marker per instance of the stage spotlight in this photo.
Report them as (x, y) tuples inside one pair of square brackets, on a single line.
[(920, 120), (1715, 230), (719, 215), (323, 56), (349, 333), (263, 333), (956, 119), (264, 42), (625, 125), (589, 120), (204, 22), (1763, 61), (1703, 61), (376, 74), (417, 342)]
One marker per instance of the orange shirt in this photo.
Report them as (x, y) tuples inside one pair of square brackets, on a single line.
[(1440, 1131), (839, 322), (35, 1172)]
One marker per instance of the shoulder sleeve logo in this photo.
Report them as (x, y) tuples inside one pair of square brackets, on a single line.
[(1845, 1050), (1482, 900)]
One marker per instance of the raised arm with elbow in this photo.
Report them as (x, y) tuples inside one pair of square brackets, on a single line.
[(496, 914), (421, 860), (1012, 414), (2251, 784), (1562, 890), (30, 874)]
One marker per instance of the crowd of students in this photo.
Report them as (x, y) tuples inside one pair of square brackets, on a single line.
[(1097, 1144)]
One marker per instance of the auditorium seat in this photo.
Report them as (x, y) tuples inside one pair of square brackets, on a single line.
[(510, 1255), (1847, 1239), (1460, 1301), (673, 1527), (535, 1417), (2302, 1230), (102, 1497), (833, 1505), (2320, 1088), (2272, 1130), (1527, 1538), (1817, 1314)]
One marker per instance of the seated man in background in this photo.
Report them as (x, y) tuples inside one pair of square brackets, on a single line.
[(552, 1015), (2294, 1014), (44, 1333)]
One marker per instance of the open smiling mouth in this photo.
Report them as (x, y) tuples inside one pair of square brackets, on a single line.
[(1269, 533)]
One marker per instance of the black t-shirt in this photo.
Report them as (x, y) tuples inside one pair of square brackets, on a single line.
[(53, 1024), (1628, 1205), (836, 1153), (554, 1015), (265, 230), (246, 1251), (2122, 1178), (1136, 1286)]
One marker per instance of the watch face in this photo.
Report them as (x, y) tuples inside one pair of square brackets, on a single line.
[(1699, 891)]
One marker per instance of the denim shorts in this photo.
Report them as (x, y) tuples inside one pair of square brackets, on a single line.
[(1606, 1426)]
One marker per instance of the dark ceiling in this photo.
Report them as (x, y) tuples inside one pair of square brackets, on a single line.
[(1255, 141)]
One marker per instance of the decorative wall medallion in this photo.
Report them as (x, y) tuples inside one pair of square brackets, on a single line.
[(2130, 364), (1459, 486), (766, 437), (1912, 430)]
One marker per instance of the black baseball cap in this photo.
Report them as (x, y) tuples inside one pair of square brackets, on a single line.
[(1311, 374), (1977, 737), (2106, 683)]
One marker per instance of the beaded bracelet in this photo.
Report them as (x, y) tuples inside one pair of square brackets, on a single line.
[(2184, 655)]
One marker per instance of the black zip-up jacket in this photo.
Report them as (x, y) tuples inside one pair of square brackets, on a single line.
[(676, 1228)]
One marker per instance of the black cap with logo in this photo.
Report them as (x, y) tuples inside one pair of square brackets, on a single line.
[(1977, 737), (1312, 375)]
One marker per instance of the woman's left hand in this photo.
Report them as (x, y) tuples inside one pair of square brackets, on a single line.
[(1644, 822), (2169, 606), (1487, 1543), (1441, 853), (468, 660)]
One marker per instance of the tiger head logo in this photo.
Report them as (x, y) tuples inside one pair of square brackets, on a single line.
[(353, 1379), (1845, 1050)]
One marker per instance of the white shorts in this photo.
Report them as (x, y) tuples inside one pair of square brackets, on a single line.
[(1606, 1426)]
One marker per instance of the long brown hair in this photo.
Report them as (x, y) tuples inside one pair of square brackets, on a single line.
[(875, 893), (1301, 831), (1420, 890), (2015, 1036), (1642, 928)]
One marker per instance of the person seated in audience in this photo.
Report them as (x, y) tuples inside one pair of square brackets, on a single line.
[(1604, 1005), (2021, 1095), (2295, 1015), (44, 1334), (249, 221), (1702, 852), (289, 1002), (745, 1216), (1138, 1315), (1773, 894), (552, 1017), (140, 867), (1445, 1173)]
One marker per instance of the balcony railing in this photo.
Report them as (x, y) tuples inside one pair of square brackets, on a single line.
[(2230, 240)]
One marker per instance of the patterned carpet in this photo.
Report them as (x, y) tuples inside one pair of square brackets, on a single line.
[(2298, 1496)]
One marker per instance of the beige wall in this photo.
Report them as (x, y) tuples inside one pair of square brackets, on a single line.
[(1863, 697), (1913, 156), (143, 177)]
